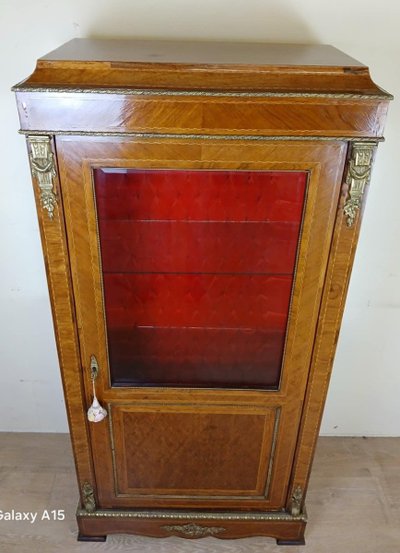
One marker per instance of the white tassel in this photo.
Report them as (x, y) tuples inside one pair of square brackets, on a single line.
[(96, 412)]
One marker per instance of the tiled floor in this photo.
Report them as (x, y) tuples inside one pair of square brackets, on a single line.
[(353, 501)]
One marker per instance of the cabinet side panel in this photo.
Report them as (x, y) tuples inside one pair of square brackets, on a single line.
[(340, 264), (56, 257)]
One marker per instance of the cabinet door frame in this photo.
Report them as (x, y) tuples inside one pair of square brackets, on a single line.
[(323, 160)]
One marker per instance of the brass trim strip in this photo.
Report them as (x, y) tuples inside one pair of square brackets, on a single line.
[(179, 515), (212, 93), (272, 451), (205, 136), (112, 444)]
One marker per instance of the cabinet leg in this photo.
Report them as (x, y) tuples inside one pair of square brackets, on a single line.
[(300, 541), (82, 537)]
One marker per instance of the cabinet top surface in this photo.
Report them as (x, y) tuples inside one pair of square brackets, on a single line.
[(200, 53), (92, 64)]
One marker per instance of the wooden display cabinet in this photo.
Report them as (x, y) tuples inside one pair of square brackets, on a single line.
[(199, 207)]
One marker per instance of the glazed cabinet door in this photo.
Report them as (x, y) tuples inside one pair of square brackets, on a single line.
[(197, 270)]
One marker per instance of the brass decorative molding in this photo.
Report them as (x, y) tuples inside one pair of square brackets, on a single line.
[(272, 454), (43, 170), (205, 136), (358, 175), (88, 500), (212, 93), (194, 530), (297, 497), (189, 517)]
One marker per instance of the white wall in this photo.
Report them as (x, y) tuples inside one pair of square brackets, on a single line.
[(364, 395)]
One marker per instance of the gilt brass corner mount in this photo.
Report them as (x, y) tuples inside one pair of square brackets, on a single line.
[(88, 500), (43, 170), (297, 498), (358, 175)]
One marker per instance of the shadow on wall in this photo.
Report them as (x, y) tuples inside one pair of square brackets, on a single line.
[(251, 20)]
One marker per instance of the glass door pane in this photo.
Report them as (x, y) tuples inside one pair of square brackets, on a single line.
[(198, 268)]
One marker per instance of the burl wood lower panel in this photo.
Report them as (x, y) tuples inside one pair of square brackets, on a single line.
[(191, 453), (284, 531)]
